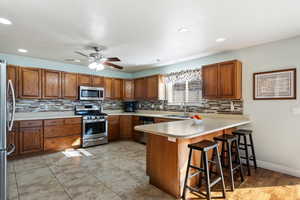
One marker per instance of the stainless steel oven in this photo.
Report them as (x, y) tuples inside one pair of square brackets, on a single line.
[(91, 93)]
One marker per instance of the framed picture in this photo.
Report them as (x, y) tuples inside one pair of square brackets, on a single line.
[(275, 85)]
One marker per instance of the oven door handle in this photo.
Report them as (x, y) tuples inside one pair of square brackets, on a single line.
[(93, 121)]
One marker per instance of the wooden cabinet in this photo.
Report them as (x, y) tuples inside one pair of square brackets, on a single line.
[(126, 127), (222, 80), (136, 134), (210, 81), (84, 80), (140, 86), (97, 81), (31, 137), (60, 134), (117, 90), (113, 127), (51, 84), (13, 139), (69, 85), (12, 74), (155, 87), (128, 89), (108, 88), (30, 83)]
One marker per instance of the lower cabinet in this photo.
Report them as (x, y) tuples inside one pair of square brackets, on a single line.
[(61, 134), (136, 134), (113, 127), (31, 139), (126, 127), (13, 140)]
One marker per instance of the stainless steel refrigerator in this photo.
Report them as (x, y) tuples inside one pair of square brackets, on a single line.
[(7, 112)]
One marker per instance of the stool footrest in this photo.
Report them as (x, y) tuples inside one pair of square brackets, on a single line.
[(193, 189), (249, 145), (197, 168), (214, 182), (250, 157), (194, 174)]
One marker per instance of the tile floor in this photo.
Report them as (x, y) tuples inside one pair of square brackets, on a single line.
[(117, 172)]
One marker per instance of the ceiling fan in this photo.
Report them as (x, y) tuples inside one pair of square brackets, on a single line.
[(97, 60)]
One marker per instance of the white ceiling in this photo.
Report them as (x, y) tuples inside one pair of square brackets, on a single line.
[(142, 31)]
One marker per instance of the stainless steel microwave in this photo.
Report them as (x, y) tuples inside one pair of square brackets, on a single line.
[(91, 93)]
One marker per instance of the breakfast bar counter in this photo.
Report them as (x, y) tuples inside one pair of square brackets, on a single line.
[(167, 148)]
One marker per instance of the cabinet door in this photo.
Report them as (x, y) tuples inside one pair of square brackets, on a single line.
[(117, 88), (84, 80), (210, 81), (69, 85), (136, 134), (113, 128), (51, 84), (152, 87), (128, 89), (12, 74), (108, 87), (98, 81), (126, 127), (30, 82), (140, 88), (229, 80), (31, 140)]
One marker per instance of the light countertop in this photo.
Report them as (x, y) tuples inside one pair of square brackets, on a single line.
[(44, 115), (187, 129)]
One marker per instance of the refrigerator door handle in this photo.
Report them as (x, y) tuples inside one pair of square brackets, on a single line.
[(11, 122), (13, 148)]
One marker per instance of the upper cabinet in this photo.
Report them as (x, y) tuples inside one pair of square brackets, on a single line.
[(30, 83), (140, 88), (51, 84), (222, 80), (12, 74), (128, 89), (108, 88), (69, 85), (155, 87), (84, 80), (97, 81), (117, 90)]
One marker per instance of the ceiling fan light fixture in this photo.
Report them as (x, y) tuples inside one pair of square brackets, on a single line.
[(99, 67), (93, 65)]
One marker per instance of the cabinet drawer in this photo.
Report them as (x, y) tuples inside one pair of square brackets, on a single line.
[(53, 122), (60, 131), (31, 123), (73, 120), (57, 144)]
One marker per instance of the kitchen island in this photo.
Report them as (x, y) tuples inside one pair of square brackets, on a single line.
[(167, 148)]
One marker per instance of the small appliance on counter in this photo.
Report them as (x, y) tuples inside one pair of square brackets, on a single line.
[(94, 125), (130, 106)]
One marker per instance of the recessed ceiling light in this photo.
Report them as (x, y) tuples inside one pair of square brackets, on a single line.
[(72, 60), (183, 29), (220, 39), (5, 21), (22, 50)]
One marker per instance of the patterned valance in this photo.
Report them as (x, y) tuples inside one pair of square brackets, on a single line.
[(183, 76)]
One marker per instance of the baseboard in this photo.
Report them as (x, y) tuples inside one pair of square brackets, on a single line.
[(278, 168)]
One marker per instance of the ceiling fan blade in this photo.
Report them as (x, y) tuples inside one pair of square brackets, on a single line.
[(112, 65), (82, 54), (113, 59)]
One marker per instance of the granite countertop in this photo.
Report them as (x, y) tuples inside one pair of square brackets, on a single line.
[(187, 129), (44, 115)]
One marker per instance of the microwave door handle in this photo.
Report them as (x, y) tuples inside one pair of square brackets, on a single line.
[(11, 123)]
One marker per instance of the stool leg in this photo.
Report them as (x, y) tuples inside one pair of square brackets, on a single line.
[(247, 155), (230, 165), (213, 159), (187, 174), (201, 166), (221, 173), (253, 153), (208, 195), (239, 162)]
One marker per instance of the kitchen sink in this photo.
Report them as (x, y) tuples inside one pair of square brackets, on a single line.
[(178, 116)]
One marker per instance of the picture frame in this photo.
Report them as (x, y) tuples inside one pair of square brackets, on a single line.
[(275, 85)]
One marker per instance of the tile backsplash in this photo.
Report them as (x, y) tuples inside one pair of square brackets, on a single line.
[(205, 106)]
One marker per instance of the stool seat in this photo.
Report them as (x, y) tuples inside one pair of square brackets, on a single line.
[(242, 132), (204, 145), (225, 137)]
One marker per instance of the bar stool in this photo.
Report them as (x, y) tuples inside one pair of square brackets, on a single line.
[(243, 133), (204, 146), (231, 141)]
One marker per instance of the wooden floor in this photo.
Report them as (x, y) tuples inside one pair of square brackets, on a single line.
[(262, 185)]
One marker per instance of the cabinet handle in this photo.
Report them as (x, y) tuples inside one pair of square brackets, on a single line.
[(13, 148)]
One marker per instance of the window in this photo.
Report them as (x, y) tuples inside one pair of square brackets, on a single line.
[(188, 91)]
